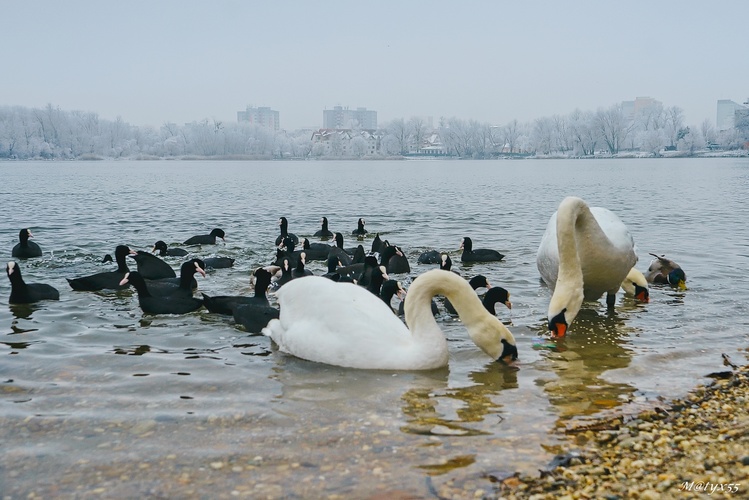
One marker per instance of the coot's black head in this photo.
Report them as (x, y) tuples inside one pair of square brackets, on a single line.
[(159, 247), (194, 266), (218, 233), (12, 269), (24, 235), (446, 262), (479, 281)]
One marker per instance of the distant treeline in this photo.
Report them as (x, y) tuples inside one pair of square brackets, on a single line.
[(52, 133)]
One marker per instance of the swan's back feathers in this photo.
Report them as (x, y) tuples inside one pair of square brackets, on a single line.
[(341, 324)]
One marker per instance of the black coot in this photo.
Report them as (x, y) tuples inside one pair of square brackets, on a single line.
[(164, 251), (206, 239), (227, 304), (324, 232), (359, 231), (106, 280), (26, 249), (479, 254), (152, 267), (430, 257), (27, 293), (283, 223), (172, 304), (183, 286)]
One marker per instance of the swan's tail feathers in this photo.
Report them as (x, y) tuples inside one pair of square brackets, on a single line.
[(273, 328)]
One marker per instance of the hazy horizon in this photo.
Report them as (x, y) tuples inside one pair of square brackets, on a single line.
[(169, 61)]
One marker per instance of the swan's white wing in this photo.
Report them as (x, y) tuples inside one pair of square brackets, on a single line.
[(337, 323), (615, 229), (547, 258)]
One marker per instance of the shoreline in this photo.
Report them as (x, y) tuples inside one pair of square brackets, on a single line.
[(692, 447)]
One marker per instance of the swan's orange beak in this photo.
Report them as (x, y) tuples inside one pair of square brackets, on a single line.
[(558, 325)]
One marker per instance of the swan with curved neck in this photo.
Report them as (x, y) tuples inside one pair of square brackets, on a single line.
[(345, 325), (584, 253), (636, 285)]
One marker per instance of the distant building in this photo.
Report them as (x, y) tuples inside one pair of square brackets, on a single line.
[(631, 109), (346, 142), (727, 110), (344, 118), (263, 117)]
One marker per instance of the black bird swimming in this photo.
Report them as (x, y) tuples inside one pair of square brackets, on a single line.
[(206, 239), (255, 317), (339, 251), (106, 280), (478, 255), (163, 251), (359, 231), (324, 232), (389, 289), (283, 223), (496, 295), (172, 304), (430, 257), (182, 286), (218, 262), (152, 267), (315, 251), (227, 304), (26, 249), (27, 293), (394, 260), (299, 271)]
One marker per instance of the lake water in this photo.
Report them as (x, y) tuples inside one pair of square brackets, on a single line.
[(97, 398)]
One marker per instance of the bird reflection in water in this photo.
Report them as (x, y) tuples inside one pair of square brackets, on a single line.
[(598, 344), (476, 402)]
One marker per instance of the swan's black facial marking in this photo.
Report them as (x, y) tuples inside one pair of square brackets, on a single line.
[(641, 293), (558, 324), (508, 351)]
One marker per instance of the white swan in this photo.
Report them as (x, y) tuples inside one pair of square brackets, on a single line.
[(345, 325), (584, 253)]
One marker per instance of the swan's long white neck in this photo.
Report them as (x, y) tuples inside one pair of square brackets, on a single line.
[(576, 228), (485, 329)]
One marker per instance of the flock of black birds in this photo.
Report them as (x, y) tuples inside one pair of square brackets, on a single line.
[(161, 291)]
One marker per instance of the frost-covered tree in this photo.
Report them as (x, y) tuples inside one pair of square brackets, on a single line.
[(612, 126), (398, 130), (673, 123)]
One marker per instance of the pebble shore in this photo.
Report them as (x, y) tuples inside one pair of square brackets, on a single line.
[(695, 447)]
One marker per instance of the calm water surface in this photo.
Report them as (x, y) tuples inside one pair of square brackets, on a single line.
[(89, 382)]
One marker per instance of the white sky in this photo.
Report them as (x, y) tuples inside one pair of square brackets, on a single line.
[(156, 61)]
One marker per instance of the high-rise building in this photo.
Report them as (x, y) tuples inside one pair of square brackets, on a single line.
[(262, 116), (631, 109), (726, 118), (344, 118)]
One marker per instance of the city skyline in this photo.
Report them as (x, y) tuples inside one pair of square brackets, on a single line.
[(492, 62)]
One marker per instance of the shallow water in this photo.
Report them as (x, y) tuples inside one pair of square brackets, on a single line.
[(89, 385)]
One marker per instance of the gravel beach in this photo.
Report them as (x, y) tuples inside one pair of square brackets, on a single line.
[(695, 447)]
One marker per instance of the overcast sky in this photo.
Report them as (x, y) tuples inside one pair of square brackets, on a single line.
[(157, 61)]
